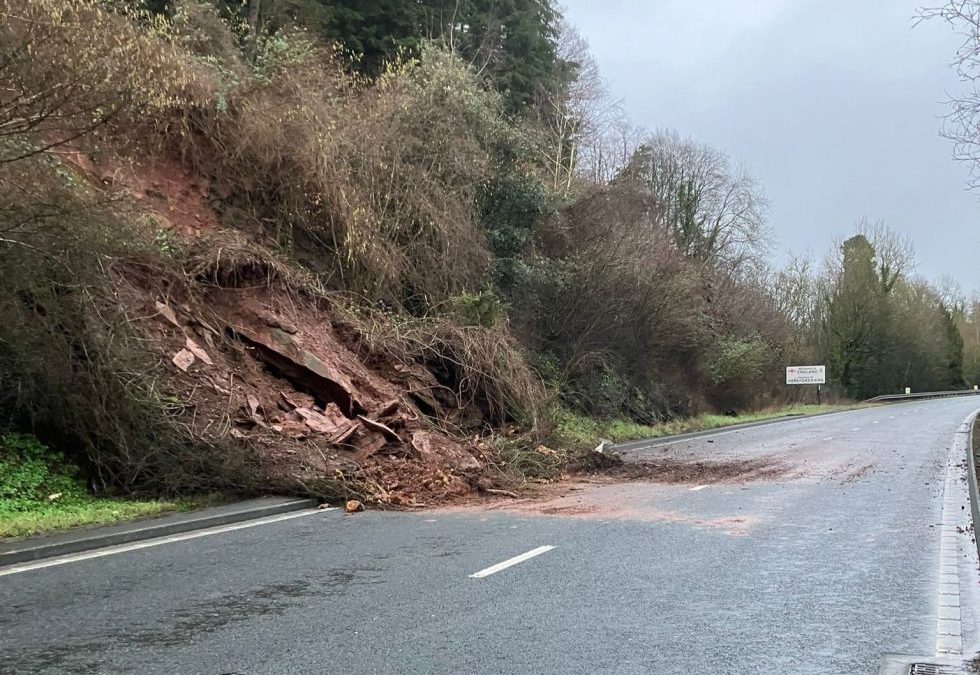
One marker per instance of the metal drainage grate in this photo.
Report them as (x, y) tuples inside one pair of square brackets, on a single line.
[(931, 669)]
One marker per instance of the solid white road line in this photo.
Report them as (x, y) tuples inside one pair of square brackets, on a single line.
[(149, 543), (698, 488), (510, 563)]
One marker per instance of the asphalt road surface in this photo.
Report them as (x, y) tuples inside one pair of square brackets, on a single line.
[(824, 562)]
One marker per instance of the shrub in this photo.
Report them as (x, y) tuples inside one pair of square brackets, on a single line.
[(737, 368), (512, 206), (74, 67), (30, 473), (482, 366), (73, 369), (483, 308), (372, 186), (608, 300), (737, 359)]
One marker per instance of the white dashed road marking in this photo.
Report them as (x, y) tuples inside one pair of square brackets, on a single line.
[(511, 562)]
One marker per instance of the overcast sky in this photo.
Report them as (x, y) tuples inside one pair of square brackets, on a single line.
[(834, 105)]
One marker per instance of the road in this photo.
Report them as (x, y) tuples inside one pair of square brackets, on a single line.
[(823, 567)]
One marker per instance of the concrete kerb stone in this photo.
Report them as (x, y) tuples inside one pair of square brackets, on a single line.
[(86, 539)]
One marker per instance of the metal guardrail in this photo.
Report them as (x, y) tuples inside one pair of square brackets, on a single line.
[(922, 395)]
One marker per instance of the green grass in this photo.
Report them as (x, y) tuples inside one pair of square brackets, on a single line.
[(91, 511), (577, 429), (42, 490)]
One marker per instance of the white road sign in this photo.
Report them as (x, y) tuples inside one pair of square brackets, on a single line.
[(806, 375)]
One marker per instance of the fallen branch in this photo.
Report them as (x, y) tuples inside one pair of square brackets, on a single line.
[(504, 493)]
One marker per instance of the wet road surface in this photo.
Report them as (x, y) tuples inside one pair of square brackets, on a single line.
[(824, 566)]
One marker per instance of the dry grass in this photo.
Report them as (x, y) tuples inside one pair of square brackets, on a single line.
[(483, 366), (372, 186), (227, 259)]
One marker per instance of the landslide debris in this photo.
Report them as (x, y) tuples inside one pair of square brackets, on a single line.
[(270, 369)]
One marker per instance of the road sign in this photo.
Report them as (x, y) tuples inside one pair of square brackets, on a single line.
[(806, 375)]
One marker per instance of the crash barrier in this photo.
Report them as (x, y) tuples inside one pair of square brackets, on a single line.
[(886, 398)]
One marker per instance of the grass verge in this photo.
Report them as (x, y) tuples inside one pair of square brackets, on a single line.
[(580, 430), (41, 490), (92, 511)]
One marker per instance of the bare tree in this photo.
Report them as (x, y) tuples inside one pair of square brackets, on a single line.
[(605, 153), (894, 253), (714, 211), (574, 108), (962, 122), (950, 293), (794, 292)]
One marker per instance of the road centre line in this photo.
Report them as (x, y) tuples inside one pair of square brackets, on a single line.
[(149, 543), (511, 562)]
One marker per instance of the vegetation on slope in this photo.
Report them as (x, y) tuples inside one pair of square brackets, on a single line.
[(580, 430), (441, 206)]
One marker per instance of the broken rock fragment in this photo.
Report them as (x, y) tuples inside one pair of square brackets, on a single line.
[(197, 351), (167, 313), (317, 422), (368, 444), (294, 399), (380, 428), (435, 449), (285, 354), (183, 359)]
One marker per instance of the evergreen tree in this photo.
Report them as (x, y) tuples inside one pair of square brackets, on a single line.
[(375, 30), (512, 43), (855, 322), (954, 348)]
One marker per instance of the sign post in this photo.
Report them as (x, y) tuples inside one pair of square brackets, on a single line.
[(807, 375)]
